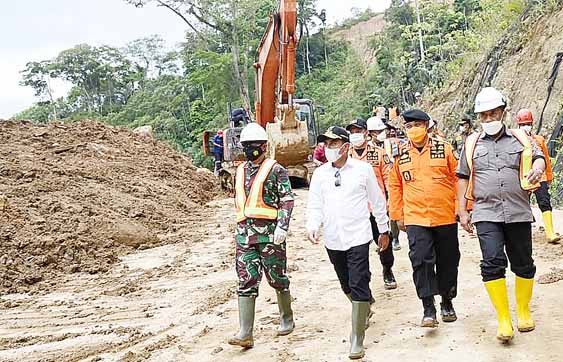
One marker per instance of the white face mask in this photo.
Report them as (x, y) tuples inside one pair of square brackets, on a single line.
[(333, 154), (462, 128), (382, 136), (527, 129), (492, 128), (357, 139)]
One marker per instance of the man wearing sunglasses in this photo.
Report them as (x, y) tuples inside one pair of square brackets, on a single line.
[(263, 203), (339, 195), (422, 196)]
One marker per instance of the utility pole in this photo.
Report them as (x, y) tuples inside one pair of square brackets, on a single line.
[(421, 43)]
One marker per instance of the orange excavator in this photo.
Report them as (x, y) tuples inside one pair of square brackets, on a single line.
[(290, 123)]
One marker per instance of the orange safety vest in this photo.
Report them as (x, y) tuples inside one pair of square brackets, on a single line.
[(525, 160), (253, 205), (548, 174)]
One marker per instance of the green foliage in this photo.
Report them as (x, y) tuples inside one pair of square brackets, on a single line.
[(183, 92), (338, 88)]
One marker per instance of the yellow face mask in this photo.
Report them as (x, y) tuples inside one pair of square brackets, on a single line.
[(417, 134)]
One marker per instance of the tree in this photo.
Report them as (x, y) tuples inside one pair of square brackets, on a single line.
[(232, 19), (38, 75), (150, 57)]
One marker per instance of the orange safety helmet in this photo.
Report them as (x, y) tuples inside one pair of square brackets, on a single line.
[(524, 116)]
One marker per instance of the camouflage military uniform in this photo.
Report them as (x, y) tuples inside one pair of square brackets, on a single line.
[(255, 249), (459, 142)]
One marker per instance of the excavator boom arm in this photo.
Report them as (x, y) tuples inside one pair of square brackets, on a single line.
[(275, 65)]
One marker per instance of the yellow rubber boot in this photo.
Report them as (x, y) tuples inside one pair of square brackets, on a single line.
[(524, 289), (550, 234), (499, 298)]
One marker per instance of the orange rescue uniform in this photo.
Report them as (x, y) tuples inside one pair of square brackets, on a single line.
[(423, 184), (380, 162)]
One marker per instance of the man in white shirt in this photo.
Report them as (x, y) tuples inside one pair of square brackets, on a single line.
[(339, 195)]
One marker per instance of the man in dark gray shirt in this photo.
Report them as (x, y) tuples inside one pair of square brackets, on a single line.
[(497, 171)]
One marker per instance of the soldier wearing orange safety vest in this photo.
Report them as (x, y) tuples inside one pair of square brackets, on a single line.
[(263, 203), (497, 171), (365, 151), (380, 136), (422, 196), (525, 121)]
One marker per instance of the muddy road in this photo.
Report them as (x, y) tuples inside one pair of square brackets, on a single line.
[(177, 303)]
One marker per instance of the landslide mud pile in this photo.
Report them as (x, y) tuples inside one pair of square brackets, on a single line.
[(73, 197)]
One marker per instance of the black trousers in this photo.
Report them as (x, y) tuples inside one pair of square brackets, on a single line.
[(434, 254), (386, 257), (352, 269), (218, 161), (543, 198), (516, 238)]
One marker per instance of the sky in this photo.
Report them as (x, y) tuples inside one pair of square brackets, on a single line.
[(35, 30)]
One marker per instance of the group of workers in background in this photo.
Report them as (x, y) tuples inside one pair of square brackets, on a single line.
[(370, 183)]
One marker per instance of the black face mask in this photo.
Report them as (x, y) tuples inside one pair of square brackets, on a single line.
[(253, 152)]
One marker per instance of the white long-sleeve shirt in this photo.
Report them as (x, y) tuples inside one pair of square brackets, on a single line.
[(343, 210)]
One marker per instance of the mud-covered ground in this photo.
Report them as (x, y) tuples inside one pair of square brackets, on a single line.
[(76, 196), (177, 303)]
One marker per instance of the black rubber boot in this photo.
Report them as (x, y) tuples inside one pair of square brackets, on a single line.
[(429, 319), (447, 310), (389, 279)]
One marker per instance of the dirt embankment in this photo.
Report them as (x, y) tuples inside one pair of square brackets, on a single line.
[(359, 35), (75, 196), (521, 73)]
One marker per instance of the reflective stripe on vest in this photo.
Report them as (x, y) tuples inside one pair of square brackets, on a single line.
[(526, 160), (253, 205)]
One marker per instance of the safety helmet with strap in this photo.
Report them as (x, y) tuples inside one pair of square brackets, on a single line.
[(376, 124), (488, 99), (524, 116), (253, 132)]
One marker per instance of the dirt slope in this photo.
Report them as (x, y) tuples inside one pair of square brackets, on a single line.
[(358, 35), (74, 197), (521, 76), (176, 303)]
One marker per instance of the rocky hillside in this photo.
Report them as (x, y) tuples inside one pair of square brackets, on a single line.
[(519, 66), (359, 34)]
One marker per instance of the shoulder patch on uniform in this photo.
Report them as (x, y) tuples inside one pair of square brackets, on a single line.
[(405, 157), (438, 150), (373, 157)]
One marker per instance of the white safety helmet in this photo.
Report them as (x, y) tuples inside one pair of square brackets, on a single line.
[(376, 124), (253, 132), (488, 99)]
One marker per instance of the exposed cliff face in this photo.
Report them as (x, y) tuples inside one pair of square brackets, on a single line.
[(358, 35), (519, 65), (520, 72)]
